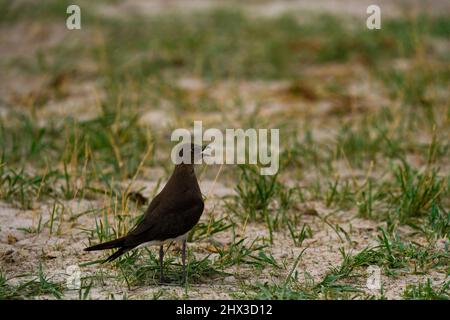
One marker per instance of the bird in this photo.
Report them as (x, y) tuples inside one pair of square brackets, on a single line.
[(171, 214)]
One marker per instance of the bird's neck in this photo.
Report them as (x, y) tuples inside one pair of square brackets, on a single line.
[(184, 172), (183, 179), (184, 168), (183, 176)]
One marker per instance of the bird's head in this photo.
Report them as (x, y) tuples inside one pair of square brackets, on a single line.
[(189, 153)]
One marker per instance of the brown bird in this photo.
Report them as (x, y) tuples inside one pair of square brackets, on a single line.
[(170, 215)]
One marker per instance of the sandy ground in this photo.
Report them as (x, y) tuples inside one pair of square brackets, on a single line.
[(20, 250)]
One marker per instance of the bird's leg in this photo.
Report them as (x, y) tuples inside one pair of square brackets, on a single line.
[(161, 262), (183, 258)]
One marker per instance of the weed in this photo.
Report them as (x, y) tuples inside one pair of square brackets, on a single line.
[(425, 291)]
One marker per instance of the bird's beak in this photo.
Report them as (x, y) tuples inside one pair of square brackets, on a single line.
[(206, 150)]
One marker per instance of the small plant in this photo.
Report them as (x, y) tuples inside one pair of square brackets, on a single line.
[(439, 222), (299, 237), (205, 230), (238, 252), (255, 192), (426, 291), (417, 192), (23, 189), (39, 285)]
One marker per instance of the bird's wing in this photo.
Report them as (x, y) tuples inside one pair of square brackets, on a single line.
[(166, 220), (148, 216)]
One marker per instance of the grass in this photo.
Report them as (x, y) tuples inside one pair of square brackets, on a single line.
[(147, 270), (396, 254), (263, 199), (412, 196), (418, 192), (38, 285), (292, 289), (255, 192), (23, 189), (299, 237), (206, 230), (141, 267), (344, 281), (425, 291)]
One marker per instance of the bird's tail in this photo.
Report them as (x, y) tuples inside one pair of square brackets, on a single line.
[(107, 245), (116, 254)]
